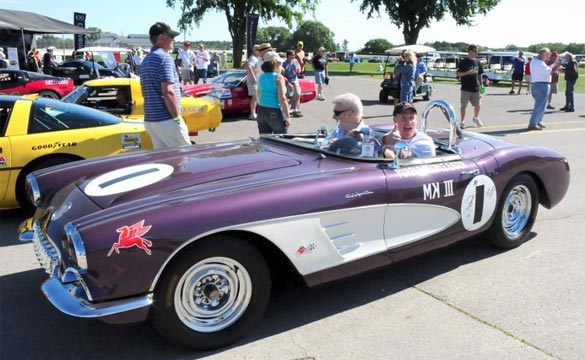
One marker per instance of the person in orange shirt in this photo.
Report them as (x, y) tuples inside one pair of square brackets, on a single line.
[(300, 56)]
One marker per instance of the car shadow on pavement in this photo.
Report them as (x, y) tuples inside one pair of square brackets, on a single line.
[(23, 304), (505, 132)]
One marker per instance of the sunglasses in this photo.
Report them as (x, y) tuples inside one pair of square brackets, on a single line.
[(339, 112)]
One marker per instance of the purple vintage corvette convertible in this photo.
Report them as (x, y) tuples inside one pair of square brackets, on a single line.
[(194, 236)]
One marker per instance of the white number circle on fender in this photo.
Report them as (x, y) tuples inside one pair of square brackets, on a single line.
[(479, 202), (127, 179)]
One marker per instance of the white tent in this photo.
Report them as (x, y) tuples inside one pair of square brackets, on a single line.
[(419, 49)]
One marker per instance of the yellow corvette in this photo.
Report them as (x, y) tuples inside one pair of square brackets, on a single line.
[(38, 133), (123, 96)]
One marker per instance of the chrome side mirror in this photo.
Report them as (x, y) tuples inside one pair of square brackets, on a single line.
[(449, 114), (401, 151)]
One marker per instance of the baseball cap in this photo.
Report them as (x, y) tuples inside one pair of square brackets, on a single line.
[(555, 53), (187, 43), (321, 48), (264, 47), (161, 28), (402, 107), (272, 56)]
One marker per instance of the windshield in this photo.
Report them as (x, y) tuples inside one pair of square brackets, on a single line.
[(52, 115), (230, 79)]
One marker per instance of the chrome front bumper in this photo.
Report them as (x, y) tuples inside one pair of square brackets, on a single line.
[(67, 291)]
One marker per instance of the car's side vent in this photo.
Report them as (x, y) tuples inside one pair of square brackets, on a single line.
[(341, 237)]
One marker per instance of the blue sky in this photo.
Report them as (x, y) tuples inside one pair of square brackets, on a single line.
[(511, 22)]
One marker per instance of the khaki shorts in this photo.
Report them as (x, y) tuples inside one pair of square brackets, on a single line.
[(296, 91), (468, 96), (554, 88), (252, 88), (167, 133), (186, 75)]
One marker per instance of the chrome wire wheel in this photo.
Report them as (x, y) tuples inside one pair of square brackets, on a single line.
[(516, 211), (213, 294)]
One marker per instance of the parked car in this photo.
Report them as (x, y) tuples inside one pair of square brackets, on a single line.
[(199, 113), (83, 70), (21, 82), (195, 237), (377, 59), (355, 59), (35, 134), (231, 89)]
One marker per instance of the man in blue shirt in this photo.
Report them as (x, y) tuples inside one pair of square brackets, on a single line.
[(292, 68), (162, 95), (518, 72)]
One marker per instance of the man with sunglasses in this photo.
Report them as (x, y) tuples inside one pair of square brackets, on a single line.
[(161, 90), (469, 72), (348, 111)]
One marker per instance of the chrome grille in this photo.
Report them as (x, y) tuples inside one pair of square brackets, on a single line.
[(45, 250)]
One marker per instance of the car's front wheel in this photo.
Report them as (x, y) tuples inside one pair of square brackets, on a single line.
[(516, 213), (212, 294)]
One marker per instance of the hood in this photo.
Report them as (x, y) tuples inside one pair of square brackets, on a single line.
[(185, 170), (201, 89)]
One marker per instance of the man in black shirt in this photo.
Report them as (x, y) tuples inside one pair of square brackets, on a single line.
[(470, 71)]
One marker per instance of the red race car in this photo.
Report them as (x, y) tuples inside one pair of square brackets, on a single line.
[(20, 82), (232, 91)]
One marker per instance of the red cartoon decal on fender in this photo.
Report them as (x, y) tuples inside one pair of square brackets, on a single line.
[(132, 236)]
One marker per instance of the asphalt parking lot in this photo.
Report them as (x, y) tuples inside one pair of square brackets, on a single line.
[(469, 301)]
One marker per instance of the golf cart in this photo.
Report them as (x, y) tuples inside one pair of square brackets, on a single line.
[(391, 85)]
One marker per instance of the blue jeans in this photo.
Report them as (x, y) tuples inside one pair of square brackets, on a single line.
[(200, 74), (569, 97), (406, 92), (540, 94), (271, 120)]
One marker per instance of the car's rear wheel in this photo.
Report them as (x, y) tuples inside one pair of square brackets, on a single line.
[(49, 94), (516, 213), (384, 96), (212, 294)]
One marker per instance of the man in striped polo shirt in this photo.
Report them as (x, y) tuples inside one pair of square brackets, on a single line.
[(162, 95)]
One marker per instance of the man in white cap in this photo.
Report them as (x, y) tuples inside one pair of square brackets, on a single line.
[(319, 62), (253, 67)]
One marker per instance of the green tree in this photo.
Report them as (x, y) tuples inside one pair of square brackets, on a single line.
[(376, 46), (314, 35), (97, 33), (278, 36), (414, 15), (235, 12), (344, 46)]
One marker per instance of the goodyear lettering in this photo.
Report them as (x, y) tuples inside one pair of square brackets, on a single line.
[(55, 145)]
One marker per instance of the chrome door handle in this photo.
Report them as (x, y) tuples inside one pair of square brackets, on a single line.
[(471, 172)]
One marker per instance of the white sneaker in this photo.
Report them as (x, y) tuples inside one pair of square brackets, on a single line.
[(252, 117), (462, 125), (477, 122)]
